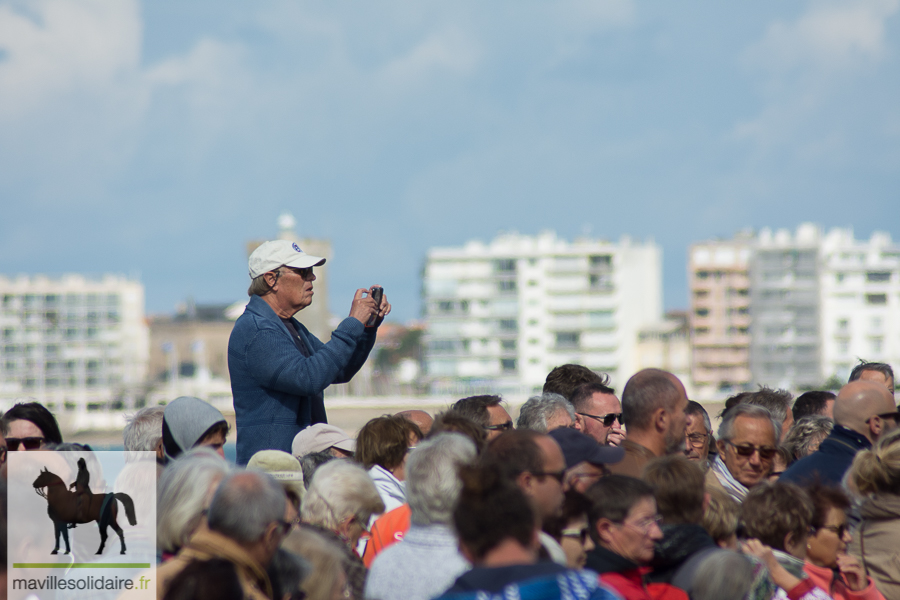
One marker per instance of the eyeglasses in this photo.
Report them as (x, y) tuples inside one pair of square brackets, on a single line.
[(500, 426), (304, 273), (765, 452), (697, 440), (644, 525), (578, 533), (30, 443), (607, 419), (3, 453), (557, 475), (838, 530)]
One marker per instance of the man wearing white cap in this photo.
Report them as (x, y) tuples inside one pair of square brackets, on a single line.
[(279, 370)]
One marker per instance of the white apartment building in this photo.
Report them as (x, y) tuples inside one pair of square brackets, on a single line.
[(72, 343), (501, 315), (860, 311)]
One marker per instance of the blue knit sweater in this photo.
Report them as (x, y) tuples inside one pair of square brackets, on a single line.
[(277, 390)]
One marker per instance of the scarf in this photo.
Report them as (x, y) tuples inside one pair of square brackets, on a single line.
[(734, 487)]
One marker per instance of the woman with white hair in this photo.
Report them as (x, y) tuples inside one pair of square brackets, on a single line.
[(340, 500), (185, 490)]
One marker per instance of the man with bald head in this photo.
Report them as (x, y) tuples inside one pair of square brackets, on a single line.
[(420, 418), (653, 405), (864, 412)]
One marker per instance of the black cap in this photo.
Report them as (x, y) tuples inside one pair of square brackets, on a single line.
[(578, 447)]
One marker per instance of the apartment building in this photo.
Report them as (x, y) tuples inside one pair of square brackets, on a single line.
[(501, 315), (73, 343), (860, 310), (719, 282)]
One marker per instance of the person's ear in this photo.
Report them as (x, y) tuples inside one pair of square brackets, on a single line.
[(876, 426), (720, 446), (603, 527), (661, 419), (343, 528), (579, 422), (524, 479), (271, 278)]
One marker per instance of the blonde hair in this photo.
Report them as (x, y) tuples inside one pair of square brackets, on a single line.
[(720, 519), (324, 556), (878, 469)]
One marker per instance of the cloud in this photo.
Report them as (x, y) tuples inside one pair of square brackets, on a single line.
[(810, 72), (828, 37)]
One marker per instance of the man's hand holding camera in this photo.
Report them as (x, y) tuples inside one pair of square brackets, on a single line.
[(366, 309)]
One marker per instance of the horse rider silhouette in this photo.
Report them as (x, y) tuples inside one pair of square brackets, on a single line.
[(82, 487)]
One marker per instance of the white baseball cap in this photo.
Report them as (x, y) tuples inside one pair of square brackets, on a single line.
[(271, 255)]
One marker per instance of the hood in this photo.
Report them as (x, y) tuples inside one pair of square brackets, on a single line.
[(185, 420), (881, 507), (678, 544)]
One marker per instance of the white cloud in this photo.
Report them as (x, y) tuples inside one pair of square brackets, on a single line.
[(827, 37), (808, 70)]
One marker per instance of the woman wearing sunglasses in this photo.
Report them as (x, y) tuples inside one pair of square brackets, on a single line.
[(30, 426), (827, 562)]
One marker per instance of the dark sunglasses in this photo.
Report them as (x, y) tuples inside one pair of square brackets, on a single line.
[(500, 426), (578, 533), (557, 475), (30, 443), (304, 273), (607, 419), (765, 452)]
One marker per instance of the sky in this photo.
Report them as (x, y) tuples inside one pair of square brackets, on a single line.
[(155, 139)]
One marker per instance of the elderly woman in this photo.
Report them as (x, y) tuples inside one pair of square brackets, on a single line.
[(30, 426), (778, 517), (876, 475), (185, 490), (827, 562), (382, 447), (338, 504)]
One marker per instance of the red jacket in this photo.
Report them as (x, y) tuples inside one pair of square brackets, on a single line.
[(824, 578)]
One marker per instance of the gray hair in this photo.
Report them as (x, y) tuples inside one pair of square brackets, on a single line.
[(309, 463), (432, 477), (777, 402), (723, 575), (245, 504), (695, 408), (183, 494), (340, 489), (538, 409), (144, 429), (726, 427), (805, 432)]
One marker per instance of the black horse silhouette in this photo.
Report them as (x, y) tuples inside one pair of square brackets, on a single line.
[(63, 509)]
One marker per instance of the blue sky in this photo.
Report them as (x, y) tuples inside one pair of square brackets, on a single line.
[(155, 138)]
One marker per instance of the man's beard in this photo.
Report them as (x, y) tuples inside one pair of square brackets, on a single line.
[(674, 441)]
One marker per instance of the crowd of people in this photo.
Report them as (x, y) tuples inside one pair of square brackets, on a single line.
[(590, 494), (585, 495)]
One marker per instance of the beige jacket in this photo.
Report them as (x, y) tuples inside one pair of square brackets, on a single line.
[(877, 542), (206, 544)]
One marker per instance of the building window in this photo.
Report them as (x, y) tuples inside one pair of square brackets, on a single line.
[(601, 261), (877, 345), (567, 339), (508, 325), (508, 344), (702, 312), (506, 286), (701, 330), (878, 276), (843, 347), (876, 298), (843, 324), (507, 364), (702, 274), (506, 265)]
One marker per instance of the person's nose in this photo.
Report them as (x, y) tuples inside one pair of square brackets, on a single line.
[(847, 538), (754, 459), (687, 446), (655, 532)]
